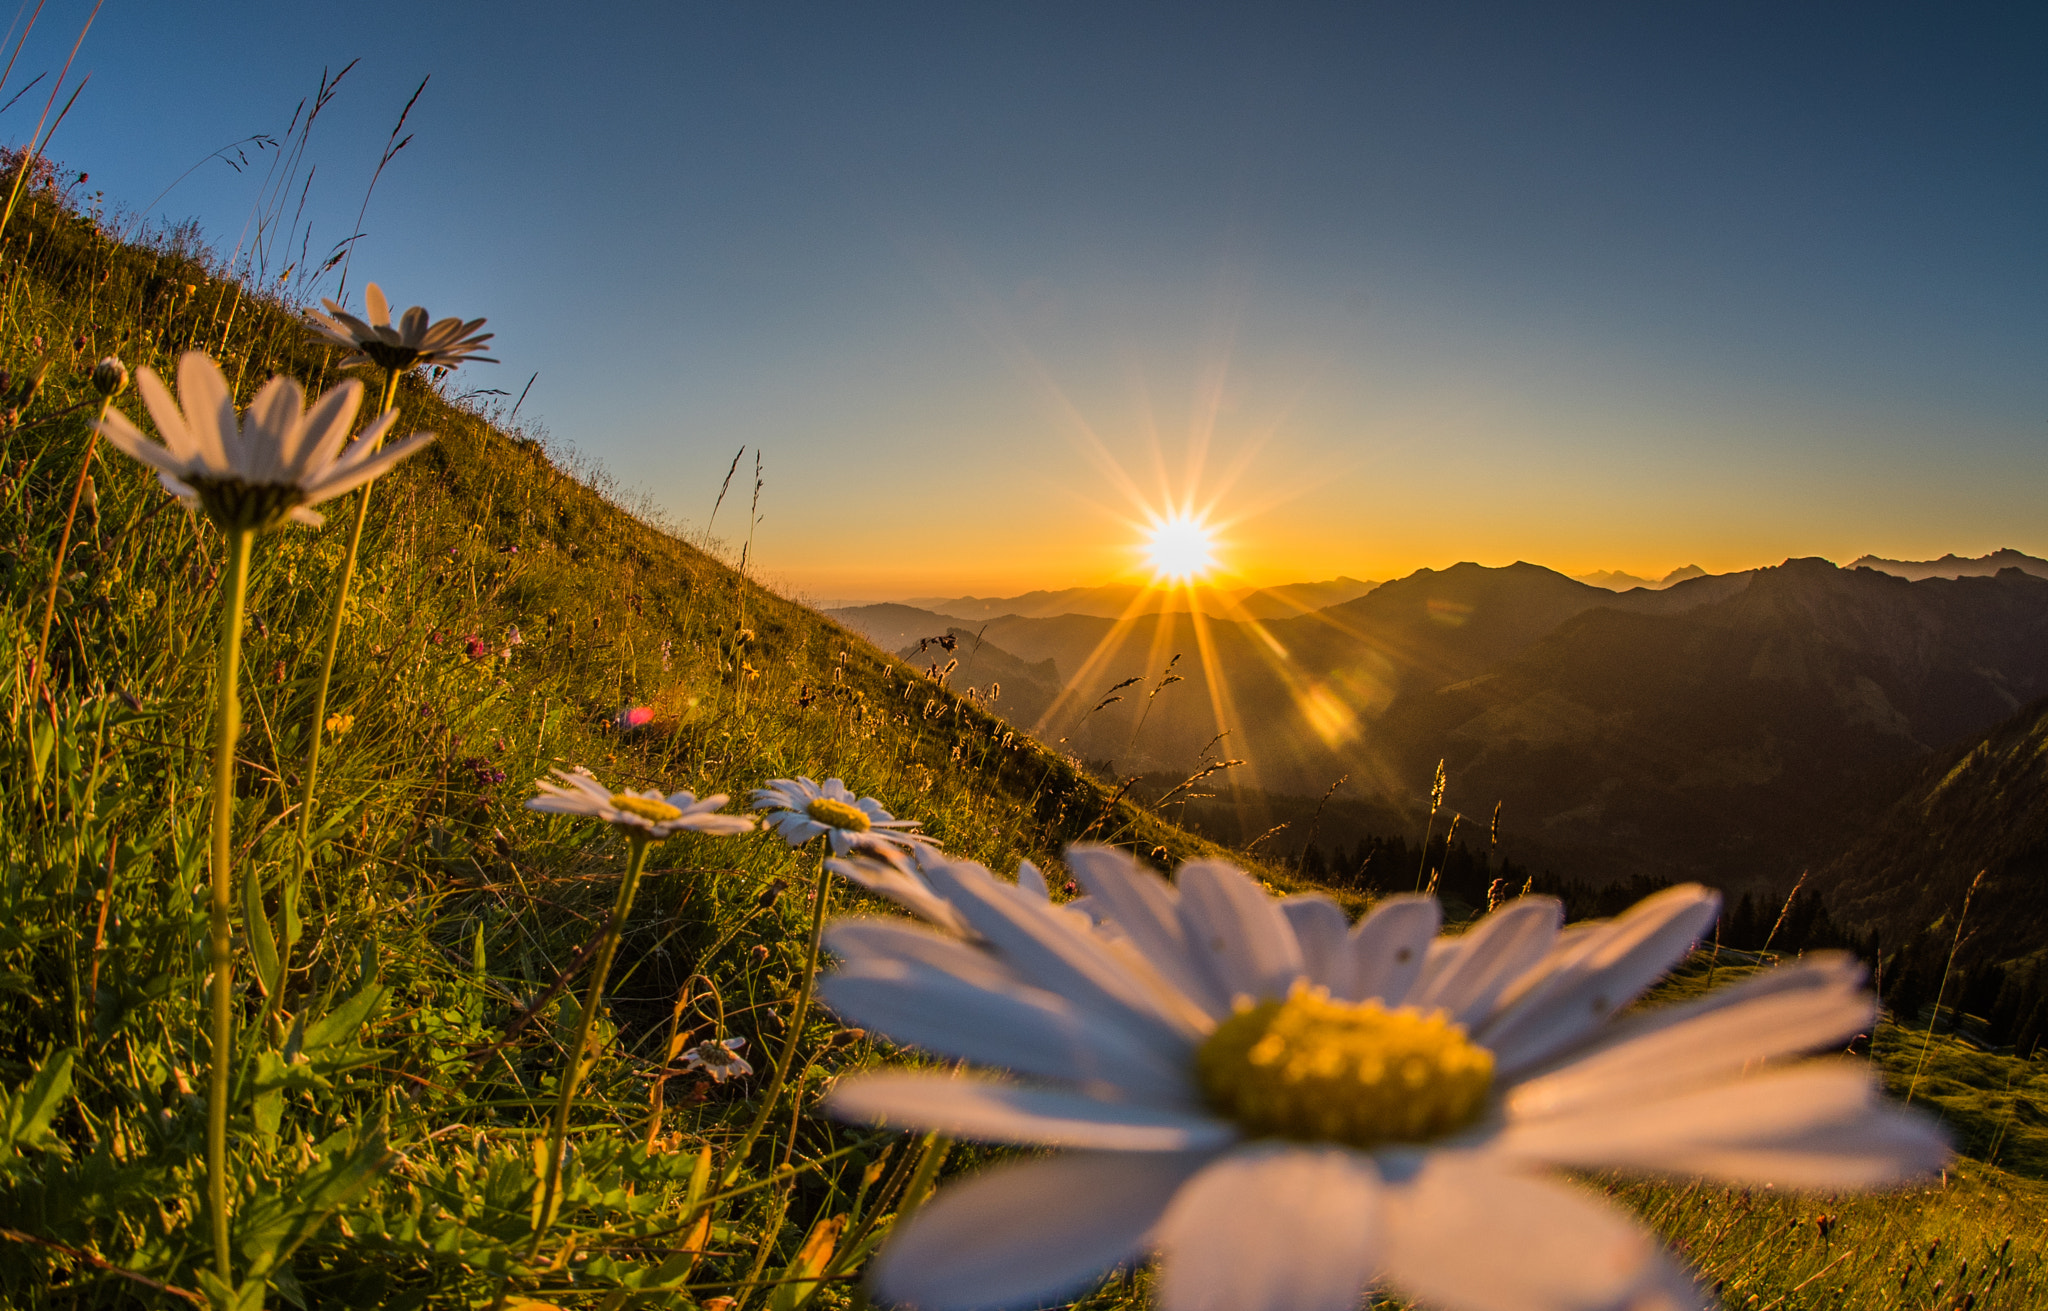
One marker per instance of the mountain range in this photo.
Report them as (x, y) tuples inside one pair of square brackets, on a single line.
[(1732, 727), (1957, 566), (1614, 580), (1118, 600)]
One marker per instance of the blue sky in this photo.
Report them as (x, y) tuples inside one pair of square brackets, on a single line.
[(1382, 286)]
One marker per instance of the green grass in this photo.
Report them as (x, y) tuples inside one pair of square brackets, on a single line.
[(388, 1115)]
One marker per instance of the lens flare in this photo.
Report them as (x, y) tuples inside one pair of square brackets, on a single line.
[(1181, 548)]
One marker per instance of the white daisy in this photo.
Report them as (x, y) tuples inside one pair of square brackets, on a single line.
[(1290, 1110), (413, 340), (720, 1060), (799, 810), (274, 462), (647, 814)]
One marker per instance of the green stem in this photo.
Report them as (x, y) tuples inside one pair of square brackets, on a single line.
[(227, 727), (318, 727), (64, 544), (593, 1000), (796, 1023)]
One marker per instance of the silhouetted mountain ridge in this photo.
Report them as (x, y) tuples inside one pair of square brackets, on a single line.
[(1116, 600), (1729, 727), (1957, 566)]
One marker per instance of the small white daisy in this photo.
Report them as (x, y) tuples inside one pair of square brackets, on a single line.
[(413, 340), (1289, 1110), (275, 462), (720, 1060), (647, 814), (799, 810)]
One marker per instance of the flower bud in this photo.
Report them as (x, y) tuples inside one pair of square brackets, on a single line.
[(110, 377)]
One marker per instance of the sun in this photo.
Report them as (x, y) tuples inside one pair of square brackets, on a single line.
[(1181, 548)]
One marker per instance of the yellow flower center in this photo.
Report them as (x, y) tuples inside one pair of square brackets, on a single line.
[(837, 814), (1359, 1074), (648, 808)]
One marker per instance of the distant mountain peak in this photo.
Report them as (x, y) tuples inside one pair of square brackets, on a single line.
[(1616, 580), (1957, 566)]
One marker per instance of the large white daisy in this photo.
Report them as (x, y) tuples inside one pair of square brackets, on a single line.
[(799, 809), (414, 339), (648, 814), (273, 462), (1289, 1110)]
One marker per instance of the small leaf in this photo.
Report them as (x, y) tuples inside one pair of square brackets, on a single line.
[(30, 1111), (811, 1260), (341, 1023), (262, 945)]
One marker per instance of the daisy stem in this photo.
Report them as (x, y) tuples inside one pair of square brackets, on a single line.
[(348, 573), (64, 543), (796, 1025), (227, 720), (593, 1001)]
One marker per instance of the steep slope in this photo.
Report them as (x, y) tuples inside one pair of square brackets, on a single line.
[(435, 941), (1981, 806)]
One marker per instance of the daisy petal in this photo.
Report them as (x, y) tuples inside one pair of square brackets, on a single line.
[(1387, 948), (1235, 931), (209, 410), (1022, 1029), (1816, 1125), (966, 1249), (1789, 1011), (362, 471), (1005, 1113), (1147, 909), (127, 438), (327, 426), (1274, 1227), (899, 885), (169, 420), (1032, 881), (1491, 955), (1319, 928), (277, 413), (1054, 949), (1606, 971), (1546, 1246)]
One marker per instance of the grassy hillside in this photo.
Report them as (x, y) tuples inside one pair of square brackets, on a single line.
[(1981, 806), (391, 1094), (504, 616)]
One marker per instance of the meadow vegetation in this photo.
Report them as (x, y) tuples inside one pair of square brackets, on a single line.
[(407, 982)]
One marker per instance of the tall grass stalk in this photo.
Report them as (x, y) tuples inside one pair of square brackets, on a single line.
[(64, 541), (578, 1059), (1436, 800), (316, 728), (227, 727), (820, 903), (39, 139), (1948, 966)]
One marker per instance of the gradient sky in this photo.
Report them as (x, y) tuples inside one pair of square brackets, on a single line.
[(1599, 286)]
